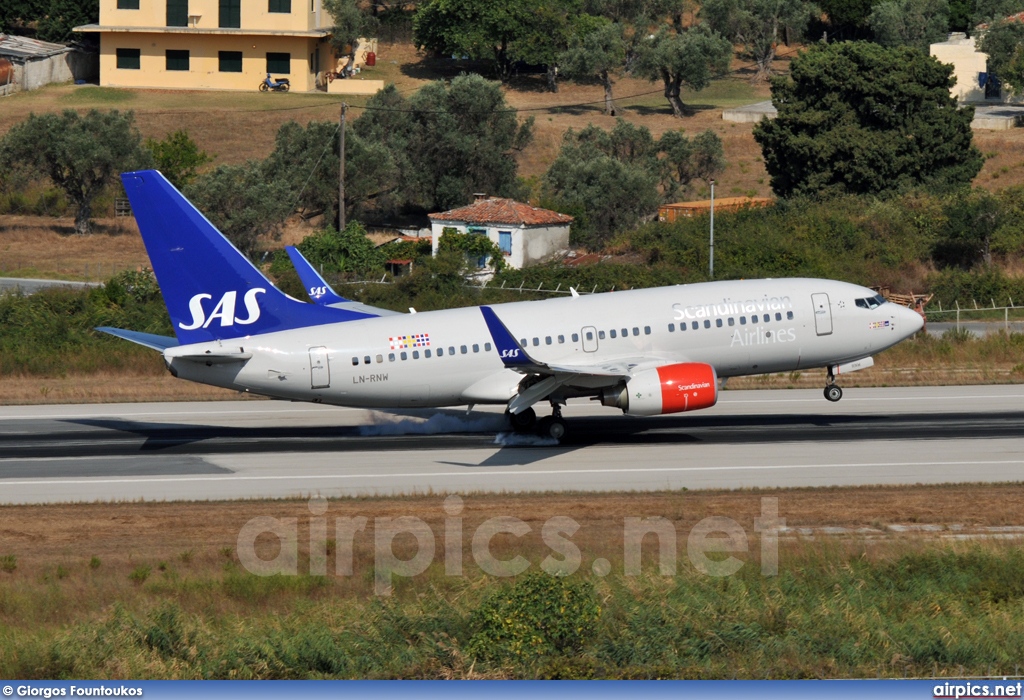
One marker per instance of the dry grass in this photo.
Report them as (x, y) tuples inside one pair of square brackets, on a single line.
[(37, 246), (105, 387)]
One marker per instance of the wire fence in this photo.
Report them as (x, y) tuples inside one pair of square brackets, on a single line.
[(973, 312)]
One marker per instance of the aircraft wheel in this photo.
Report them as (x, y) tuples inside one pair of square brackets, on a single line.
[(552, 427), (833, 393), (523, 421)]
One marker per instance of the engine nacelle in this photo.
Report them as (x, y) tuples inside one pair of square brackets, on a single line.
[(688, 386)]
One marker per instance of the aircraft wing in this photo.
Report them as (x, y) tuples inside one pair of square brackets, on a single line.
[(591, 375), (320, 292)]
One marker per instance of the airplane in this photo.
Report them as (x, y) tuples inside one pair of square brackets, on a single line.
[(646, 351), (319, 292)]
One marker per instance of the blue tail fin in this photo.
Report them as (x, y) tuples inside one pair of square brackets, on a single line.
[(316, 286), (211, 290)]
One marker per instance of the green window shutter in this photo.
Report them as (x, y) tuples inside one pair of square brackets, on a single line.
[(279, 63), (230, 61), (283, 6), (128, 59), (127, 4), (177, 13), (177, 59), (230, 14)]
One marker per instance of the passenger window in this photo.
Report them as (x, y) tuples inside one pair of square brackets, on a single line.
[(789, 315), (536, 342), (463, 349), (561, 339), (522, 341), (426, 353), (612, 333), (778, 316), (718, 322), (547, 340), (590, 335), (682, 326), (575, 337), (415, 354), (695, 326), (366, 360), (391, 357), (380, 358), (404, 356), (707, 323), (476, 348), (671, 328), (440, 352), (600, 335), (732, 321), (647, 330), (487, 347), (636, 331), (767, 318), (743, 320), (451, 349), (355, 360)]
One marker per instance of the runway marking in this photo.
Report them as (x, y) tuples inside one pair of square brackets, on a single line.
[(519, 472), (183, 412)]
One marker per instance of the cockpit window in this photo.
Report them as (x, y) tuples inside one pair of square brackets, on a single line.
[(871, 302)]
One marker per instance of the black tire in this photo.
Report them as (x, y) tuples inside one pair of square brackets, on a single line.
[(552, 427), (263, 87), (833, 393), (523, 421), (284, 88)]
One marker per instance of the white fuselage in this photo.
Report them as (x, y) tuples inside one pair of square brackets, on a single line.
[(442, 358)]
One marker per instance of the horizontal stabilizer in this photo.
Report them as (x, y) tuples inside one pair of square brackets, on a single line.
[(149, 340)]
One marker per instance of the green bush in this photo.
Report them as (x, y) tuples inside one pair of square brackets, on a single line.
[(538, 615)]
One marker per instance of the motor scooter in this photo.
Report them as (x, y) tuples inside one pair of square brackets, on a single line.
[(269, 83)]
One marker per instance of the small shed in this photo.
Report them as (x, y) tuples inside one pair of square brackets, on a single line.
[(687, 210), (34, 63), (525, 234)]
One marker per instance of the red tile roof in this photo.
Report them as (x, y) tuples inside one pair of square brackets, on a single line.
[(502, 211)]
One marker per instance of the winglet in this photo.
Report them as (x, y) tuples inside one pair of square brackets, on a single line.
[(512, 354), (316, 286)]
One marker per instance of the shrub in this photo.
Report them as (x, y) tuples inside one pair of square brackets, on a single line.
[(538, 615)]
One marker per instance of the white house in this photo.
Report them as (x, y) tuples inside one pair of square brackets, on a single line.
[(525, 234), (970, 69)]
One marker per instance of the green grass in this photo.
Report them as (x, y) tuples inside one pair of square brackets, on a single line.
[(729, 92), (832, 612)]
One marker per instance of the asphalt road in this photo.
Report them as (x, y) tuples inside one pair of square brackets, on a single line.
[(251, 449)]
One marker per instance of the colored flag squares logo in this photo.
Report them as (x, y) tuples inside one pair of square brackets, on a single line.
[(878, 324), (417, 340)]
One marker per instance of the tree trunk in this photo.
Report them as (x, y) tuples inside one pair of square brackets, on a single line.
[(764, 63), (82, 217), (672, 86), (609, 106), (552, 77)]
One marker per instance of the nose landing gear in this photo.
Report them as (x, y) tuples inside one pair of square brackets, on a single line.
[(832, 391)]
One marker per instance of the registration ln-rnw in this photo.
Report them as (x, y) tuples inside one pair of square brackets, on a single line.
[(646, 351)]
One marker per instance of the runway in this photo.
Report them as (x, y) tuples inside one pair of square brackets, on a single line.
[(265, 449)]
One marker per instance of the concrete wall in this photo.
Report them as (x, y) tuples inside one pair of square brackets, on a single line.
[(305, 15), (204, 71), (967, 63)]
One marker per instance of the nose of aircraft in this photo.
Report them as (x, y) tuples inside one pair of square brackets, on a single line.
[(910, 322)]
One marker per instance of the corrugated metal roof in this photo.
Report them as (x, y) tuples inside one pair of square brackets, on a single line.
[(22, 47), (502, 211)]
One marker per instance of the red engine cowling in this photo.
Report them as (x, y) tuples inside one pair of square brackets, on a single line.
[(688, 386)]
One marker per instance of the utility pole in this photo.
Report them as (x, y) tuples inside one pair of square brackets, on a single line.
[(341, 170), (711, 257)]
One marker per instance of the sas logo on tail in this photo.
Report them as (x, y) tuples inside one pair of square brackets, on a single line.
[(509, 354), (224, 310), (317, 292)]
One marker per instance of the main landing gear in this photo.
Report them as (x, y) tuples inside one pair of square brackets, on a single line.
[(832, 391), (552, 426)]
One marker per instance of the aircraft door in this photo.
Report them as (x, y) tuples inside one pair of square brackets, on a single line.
[(319, 368), (589, 334), (822, 314)]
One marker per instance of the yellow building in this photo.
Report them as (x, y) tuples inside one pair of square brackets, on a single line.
[(221, 44)]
